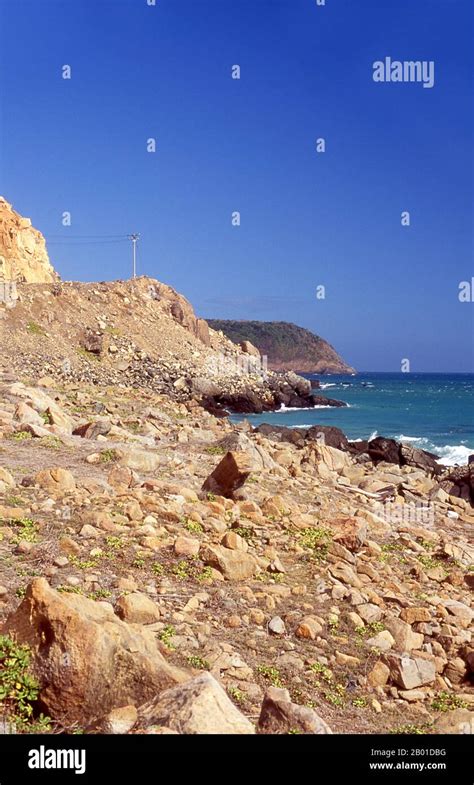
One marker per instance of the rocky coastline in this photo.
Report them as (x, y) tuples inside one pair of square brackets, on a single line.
[(164, 571)]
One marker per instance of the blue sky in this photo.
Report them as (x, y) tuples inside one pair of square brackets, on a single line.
[(248, 145)]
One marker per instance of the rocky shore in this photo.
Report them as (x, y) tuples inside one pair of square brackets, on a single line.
[(165, 571)]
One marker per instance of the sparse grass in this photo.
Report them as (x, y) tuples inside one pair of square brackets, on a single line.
[(13, 501), (109, 455), (84, 564), (412, 729), (317, 539), (35, 329), (194, 527), (236, 695), (198, 662), (28, 530), (20, 436), (215, 450), (166, 634), (271, 674), (50, 442), (447, 701), (336, 696), (322, 670)]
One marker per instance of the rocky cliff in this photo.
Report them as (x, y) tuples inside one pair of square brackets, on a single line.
[(23, 254), (287, 346)]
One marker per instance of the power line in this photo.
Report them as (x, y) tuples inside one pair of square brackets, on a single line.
[(88, 236), (85, 242)]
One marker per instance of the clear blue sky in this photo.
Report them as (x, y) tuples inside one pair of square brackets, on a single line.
[(249, 145)]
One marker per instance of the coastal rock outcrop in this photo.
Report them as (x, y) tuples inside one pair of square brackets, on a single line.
[(23, 254)]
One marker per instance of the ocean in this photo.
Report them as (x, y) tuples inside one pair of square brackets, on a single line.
[(432, 411)]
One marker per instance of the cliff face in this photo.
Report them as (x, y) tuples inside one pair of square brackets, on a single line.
[(23, 254), (287, 346)]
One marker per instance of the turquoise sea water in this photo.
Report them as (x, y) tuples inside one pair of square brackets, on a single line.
[(432, 411)]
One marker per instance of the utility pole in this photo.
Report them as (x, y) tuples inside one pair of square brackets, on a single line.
[(134, 238)]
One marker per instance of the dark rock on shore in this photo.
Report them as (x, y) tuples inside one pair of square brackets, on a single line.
[(382, 449)]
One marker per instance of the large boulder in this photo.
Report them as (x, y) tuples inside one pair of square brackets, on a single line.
[(382, 449), (198, 707), (86, 660), (229, 475), (421, 459)]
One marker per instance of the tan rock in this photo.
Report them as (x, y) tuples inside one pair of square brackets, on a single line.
[(405, 638), (309, 627), (119, 721), (234, 541), (187, 546), (414, 614), (137, 608), (198, 707), (86, 660), (234, 565), (56, 481), (279, 715), (379, 675)]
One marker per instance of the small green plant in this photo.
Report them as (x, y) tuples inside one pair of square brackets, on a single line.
[(116, 543), (139, 563), (181, 570), (21, 436), (336, 696), (166, 634), (215, 450), (411, 729), (236, 695), (13, 501), (194, 527), (271, 674), (322, 670), (18, 689), (211, 497), (28, 530), (100, 594), (35, 329), (317, 540), (369, 629), (50, 442), (198, 662), (447, 701), (158, 569), (359, 703), (83, 564), (109, 455), (244, 532), (205, 575)]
